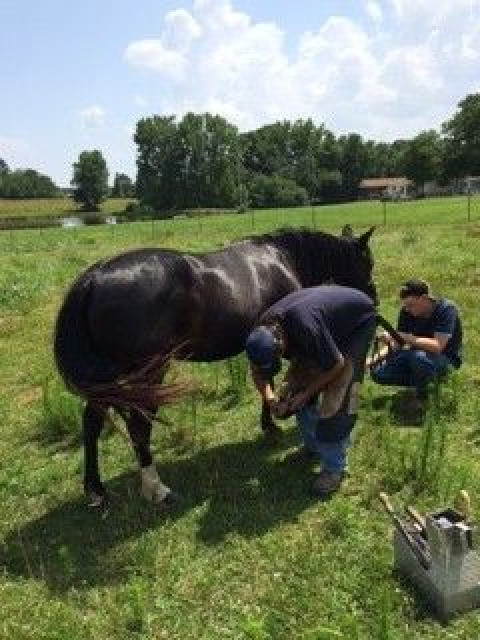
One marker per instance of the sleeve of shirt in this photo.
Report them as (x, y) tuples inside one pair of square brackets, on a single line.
[(315, 340), (445, 320)]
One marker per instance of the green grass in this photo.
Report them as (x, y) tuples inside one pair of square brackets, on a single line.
[(54, 207), (247, 554)]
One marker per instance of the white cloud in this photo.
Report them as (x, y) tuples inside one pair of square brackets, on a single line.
[(407, 75), (374, 11), (153, 56), (92, 117), (181, 30)]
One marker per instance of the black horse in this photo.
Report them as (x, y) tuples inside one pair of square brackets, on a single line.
[(123, 319)]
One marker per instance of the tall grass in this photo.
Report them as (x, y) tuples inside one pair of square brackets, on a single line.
[(54, 206)]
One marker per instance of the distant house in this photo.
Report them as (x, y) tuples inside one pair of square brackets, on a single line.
[(392, 188), (470, 184)]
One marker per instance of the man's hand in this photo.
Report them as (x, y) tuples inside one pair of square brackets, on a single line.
[(269, 396), (298, 401), (409, 338), (384, 338)]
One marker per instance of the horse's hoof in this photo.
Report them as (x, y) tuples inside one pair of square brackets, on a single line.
[(97, 501), (170, 500), (167, 502), (272, 435)]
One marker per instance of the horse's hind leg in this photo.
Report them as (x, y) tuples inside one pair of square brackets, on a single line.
[(140, 428), (93, 420)]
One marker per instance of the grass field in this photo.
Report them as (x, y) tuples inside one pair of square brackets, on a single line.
[(246, 554), (54, 207)]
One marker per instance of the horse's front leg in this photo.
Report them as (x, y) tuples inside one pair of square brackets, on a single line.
[(93, 420), (153, 489)]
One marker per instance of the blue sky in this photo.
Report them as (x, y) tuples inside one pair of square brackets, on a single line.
[(76, 76)]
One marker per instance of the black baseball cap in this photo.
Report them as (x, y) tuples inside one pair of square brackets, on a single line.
[(414, 287), (262, 351)]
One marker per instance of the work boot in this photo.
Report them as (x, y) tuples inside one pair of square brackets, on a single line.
[(413, 405), (327, 482)]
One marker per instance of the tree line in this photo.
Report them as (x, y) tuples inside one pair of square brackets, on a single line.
[(202, 160), (90, 177)]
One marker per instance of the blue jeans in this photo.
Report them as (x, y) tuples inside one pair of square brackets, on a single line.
[(411, 368), (329, 438), (332, 455)]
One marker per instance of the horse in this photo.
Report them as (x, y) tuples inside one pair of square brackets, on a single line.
[(124, 319)]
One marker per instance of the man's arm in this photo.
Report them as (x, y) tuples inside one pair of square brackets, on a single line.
[(443, 328), (319, 383), (433, 345)]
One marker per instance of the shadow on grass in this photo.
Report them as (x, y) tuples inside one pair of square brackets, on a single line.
[(421, 608), (403, 408), (239, 488)]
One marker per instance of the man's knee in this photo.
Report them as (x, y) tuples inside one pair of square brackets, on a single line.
[(335, 428), (383, 373), (422, 364)]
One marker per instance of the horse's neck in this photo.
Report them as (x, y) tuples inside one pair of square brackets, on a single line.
[(317, 262)]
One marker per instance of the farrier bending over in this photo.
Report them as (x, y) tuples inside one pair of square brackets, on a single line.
[(325, 333)]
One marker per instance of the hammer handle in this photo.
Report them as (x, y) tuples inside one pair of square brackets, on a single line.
[(407, 536), (385, 324), (416, 517)]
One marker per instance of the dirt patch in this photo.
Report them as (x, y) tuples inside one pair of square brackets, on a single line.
[(29, 396)]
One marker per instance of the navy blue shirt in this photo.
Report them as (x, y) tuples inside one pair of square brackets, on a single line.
[(320, 323), (443, 320)]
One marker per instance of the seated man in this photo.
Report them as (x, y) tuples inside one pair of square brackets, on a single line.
[(432, 331), (325, 332)]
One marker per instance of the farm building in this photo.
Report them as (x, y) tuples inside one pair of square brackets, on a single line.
[(470, 184), (394, 188)]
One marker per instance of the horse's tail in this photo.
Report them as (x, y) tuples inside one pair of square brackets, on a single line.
[(92, 374)]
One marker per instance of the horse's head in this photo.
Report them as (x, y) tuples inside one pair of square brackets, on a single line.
[(361, 277)]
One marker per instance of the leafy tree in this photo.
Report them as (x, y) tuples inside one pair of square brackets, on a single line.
[(462, 139), (3, 176), (305, 157), (301, 152), (422, 157), (90, 179), (158, 161), (193, 163), (397, 156), (353, 163), (123, 186), (212, 161), (275, 191), (381, 161), (267, 150), (26, 183)]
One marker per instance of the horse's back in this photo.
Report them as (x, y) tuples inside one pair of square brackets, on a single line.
[(140, 302)]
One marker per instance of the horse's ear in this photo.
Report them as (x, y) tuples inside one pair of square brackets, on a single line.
[(365, 237)]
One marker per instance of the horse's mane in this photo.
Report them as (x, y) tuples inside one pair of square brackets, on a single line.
[(314, 253)]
